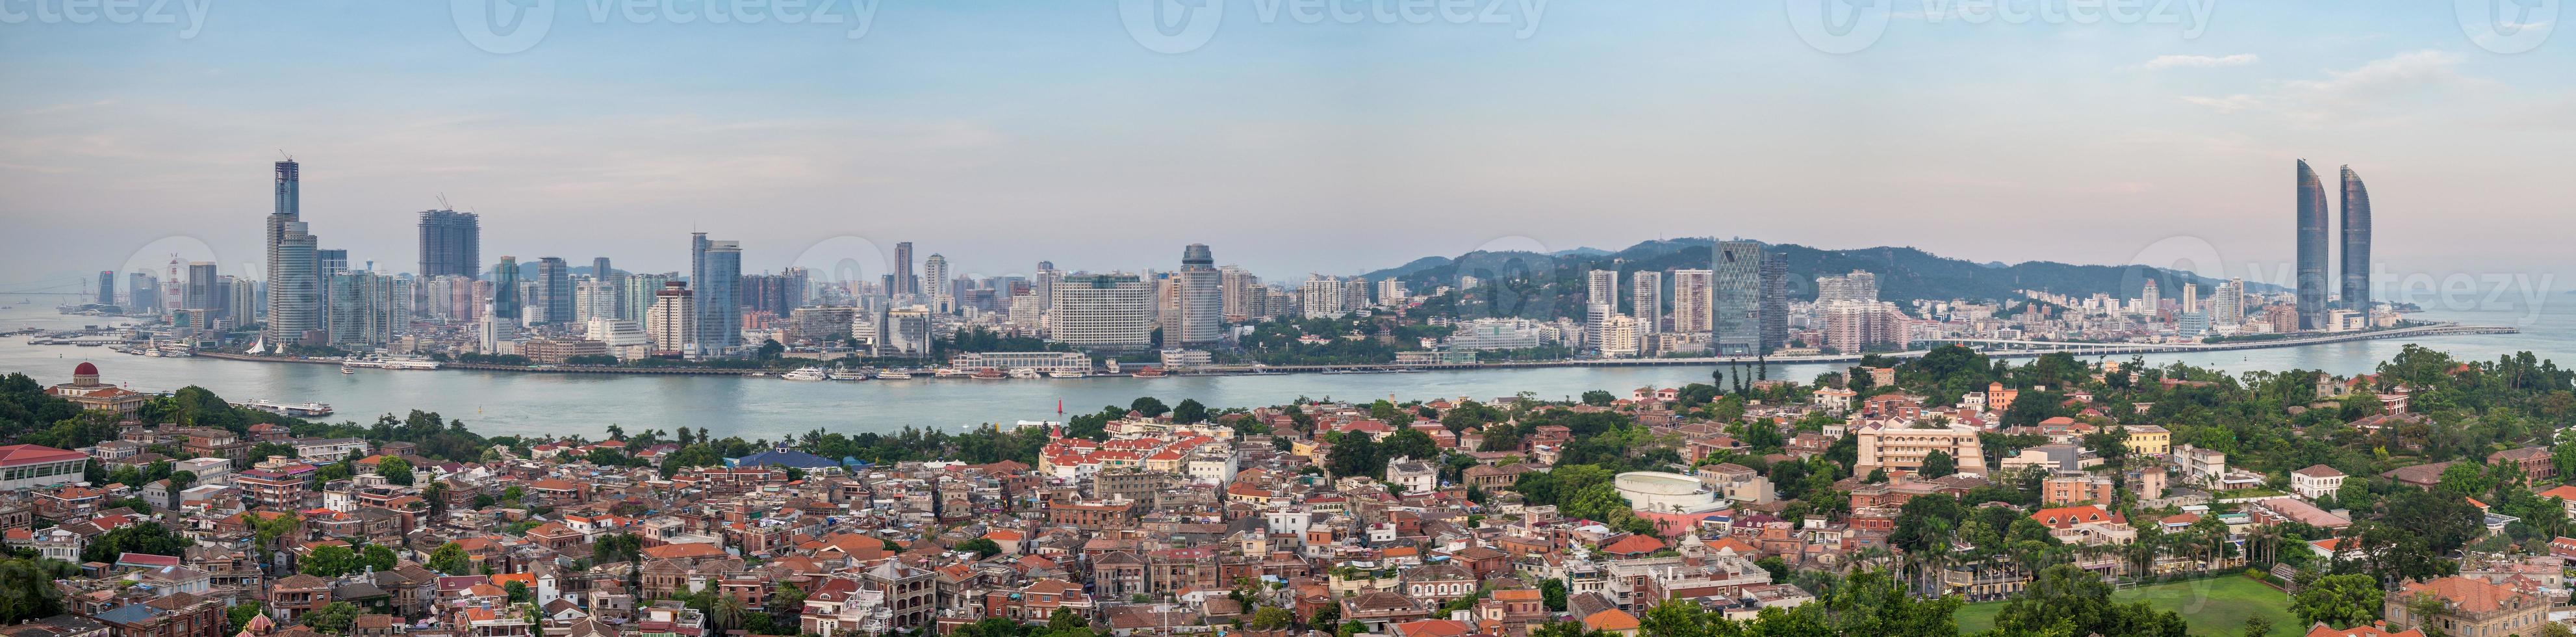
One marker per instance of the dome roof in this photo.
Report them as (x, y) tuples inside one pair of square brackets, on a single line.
[(85, 369)]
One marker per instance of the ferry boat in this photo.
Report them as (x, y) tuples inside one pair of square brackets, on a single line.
[(1023, 373), (1065, 373), (346, 369), (299, 410), (804, 374), (1149, 371), (945, 372), (846, 374), (988, 374), (894, 374)]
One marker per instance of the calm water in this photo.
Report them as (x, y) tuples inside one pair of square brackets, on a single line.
[(497, 403)]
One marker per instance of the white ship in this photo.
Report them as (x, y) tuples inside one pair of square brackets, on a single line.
[(805, 373), (299, 410), (1065, 373), (846, 374), (894, 374), (1023, 372)]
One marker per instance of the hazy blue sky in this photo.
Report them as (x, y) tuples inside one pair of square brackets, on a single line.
[(1000, 133)]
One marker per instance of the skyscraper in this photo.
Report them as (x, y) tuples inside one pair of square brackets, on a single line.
[(1202, 298), (2312, 282), (1647, 304), (2147, 299), (507, 306), (554, 290), (1860, 285), (2190, 297), (107, 287), (934, 284), (904, 282), (715, 268), (294, 275), (670, 322), (204, 292), (1773, 302), (2227, 305), (1602, 286), (2356, 243), (451, 244), (1691, 301), (1736, 307), (599, 270)]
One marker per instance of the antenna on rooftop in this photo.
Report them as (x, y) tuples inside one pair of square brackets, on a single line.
[(282, 153)]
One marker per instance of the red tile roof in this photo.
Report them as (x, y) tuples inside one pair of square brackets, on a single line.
[(15, 455)]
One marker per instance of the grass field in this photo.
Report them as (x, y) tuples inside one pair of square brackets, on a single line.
[(2214, 607)]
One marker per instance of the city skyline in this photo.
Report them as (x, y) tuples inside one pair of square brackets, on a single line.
[(2149, 134)]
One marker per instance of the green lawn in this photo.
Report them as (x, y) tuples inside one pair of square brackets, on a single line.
[(2214, 607)]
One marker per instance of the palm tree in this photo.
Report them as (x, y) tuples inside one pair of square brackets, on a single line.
[(729, 611)]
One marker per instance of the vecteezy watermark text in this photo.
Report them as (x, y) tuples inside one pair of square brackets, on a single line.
[(1848, 26), (1181, 26), (109, 12), (512, 26)]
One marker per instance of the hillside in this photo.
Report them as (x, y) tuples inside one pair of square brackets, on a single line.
[(1545, 286)]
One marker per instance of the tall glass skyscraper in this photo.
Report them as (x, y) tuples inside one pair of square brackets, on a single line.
[(451, 244), (1736, 296), (2356, 243), (1202, 297), (2312, 283), (506, 304), (715, 269), (554, 289), (294, 277)]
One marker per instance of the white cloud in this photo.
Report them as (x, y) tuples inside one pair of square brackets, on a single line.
[(2382, 78), (2229, 104), (2201, 61)]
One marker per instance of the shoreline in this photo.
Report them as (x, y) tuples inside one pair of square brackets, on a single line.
[(2036, 348)]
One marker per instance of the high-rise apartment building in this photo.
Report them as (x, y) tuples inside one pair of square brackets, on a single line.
[(2227, 305), (363, 310), (2147, 299), (1320, 297), (451, 244), (1646, 300), (142, 294), (594, 299), (715, 268), (616, 287), (1774, 303), (2312, 284), (241, 299), (934, 282), (2356, 244), (1691, 301), (1602, 287), (205, 292), (1104, 312), (1243, 292), (2190, 297), (637, 294), (1201, 298), (1860, 285), (671, 321)]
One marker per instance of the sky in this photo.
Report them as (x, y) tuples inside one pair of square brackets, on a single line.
[(1293, 136)]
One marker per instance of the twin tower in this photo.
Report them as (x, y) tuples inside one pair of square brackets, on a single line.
[(2313, 283)]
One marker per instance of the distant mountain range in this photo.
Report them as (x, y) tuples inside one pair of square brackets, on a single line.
[(1904, 274)]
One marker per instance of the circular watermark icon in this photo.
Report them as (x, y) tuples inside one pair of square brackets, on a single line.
[(503, 27), (2507, 26), (1172, 26), (847, 262), (1838, 26)]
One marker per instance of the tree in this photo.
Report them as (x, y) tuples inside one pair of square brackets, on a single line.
[(241, 613), (616, 547), (27, 588), (1148, 406), (330, 560), (395, 470), (1598, 398), (1267, 618), (378, 557), (147, 537), (2257, 626), (983, 547), (517, 590), (450, 559), (2338, 600), (1939, 464), (1552, 592), (1189, 411), (333, 618)]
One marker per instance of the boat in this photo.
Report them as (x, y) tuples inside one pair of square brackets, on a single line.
[(1065, 373), (1023, 372), (988, 374), (1149, 371), (846, 374), (804, 374), (894, 374), (346, 369), (299, 410), (945, 372)]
